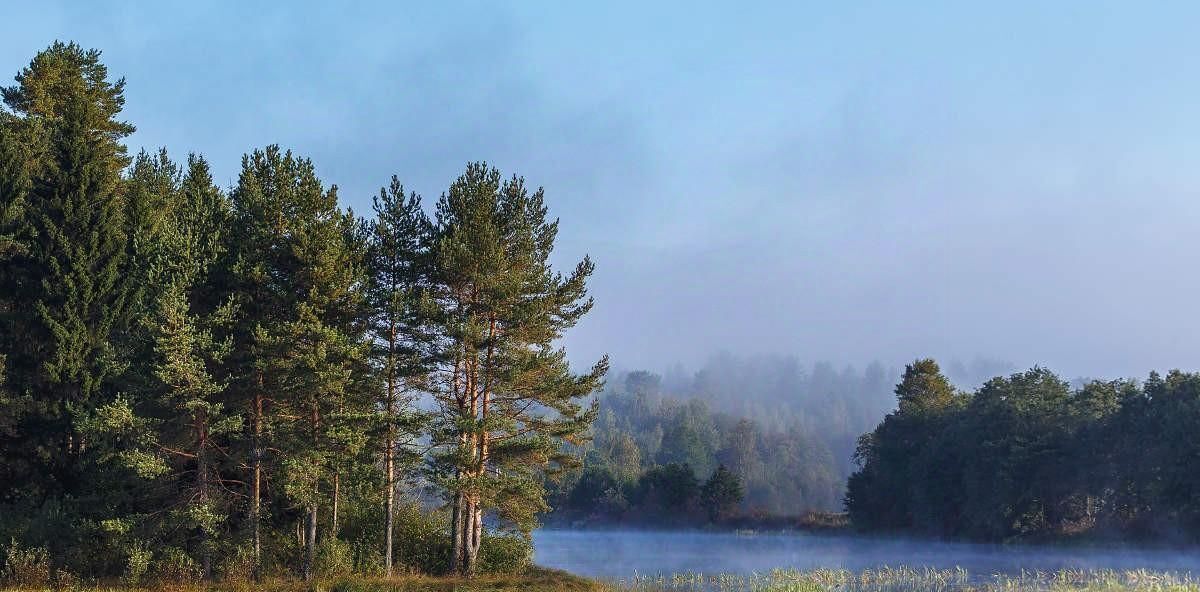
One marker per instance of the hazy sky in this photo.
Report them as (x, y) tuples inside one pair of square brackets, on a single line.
[(841, 181)]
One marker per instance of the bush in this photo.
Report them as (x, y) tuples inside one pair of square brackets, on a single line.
[(504, 554), (137, 563), (174, 567), (421, 541), (334, 558), (238, 566), (65, 581), (25, 568)]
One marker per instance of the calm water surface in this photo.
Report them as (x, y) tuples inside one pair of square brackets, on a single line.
[(620, 554)]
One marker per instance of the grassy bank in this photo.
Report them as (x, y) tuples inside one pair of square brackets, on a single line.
[(533, 580)]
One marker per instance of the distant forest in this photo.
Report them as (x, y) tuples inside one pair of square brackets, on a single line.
[(786, 433)]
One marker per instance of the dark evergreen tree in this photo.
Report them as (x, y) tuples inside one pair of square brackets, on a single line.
[(66, 292), (721, 494)]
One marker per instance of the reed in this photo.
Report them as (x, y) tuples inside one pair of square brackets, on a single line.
[(910, 579)]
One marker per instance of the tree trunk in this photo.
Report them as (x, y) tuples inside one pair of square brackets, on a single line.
[(202, 490), (457, 530), (310, 544), (389, 497), (336, 495), (256, 486), (475, 538)]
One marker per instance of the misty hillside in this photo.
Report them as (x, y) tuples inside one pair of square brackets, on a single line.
[(832, 406), (785, 430)]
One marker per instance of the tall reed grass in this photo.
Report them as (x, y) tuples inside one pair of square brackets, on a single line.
[(908, 579)]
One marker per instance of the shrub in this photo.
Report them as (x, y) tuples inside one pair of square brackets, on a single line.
[(504, 554), (26, 567), (137, 563), (174, 567), (65, 581), (421, 539), (333, 558), (238, 566)]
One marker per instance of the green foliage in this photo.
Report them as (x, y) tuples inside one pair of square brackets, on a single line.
[(334, 558), (25, 567), (721, 494), (237, 566), (505, 554), (174, 567), (422, 542), (1028, 456), (137, 564)]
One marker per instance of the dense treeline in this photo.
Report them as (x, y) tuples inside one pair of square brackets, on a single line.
[(1029, 456), (198, 381)]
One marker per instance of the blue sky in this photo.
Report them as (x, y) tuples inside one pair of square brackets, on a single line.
[(838, 181)]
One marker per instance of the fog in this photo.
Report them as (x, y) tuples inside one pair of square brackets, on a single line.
[(831, 182), (623, 554)]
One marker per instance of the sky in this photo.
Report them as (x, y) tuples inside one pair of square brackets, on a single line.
[(839, 181)]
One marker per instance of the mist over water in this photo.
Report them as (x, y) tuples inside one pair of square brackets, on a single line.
[(623, 554)]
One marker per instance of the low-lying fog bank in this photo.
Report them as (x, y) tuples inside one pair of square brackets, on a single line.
[(623, 554)]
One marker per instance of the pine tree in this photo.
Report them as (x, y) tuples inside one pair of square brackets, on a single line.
[(299, 279), (507, 397), (398, 264)]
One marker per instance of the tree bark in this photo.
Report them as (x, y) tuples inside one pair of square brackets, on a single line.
[(256, 480), (310, 544), (458, 512), (336, 495), (201, 427), (389, 454), (389, 497), (473, 542)]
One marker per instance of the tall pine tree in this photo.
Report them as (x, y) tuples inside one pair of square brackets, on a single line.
[(398, 262), (299, 278), (507, 397)]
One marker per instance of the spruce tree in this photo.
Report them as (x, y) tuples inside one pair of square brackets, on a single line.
[(507, 396), (65, 289)]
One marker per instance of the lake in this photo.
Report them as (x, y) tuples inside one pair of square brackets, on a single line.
[(621, 554)]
